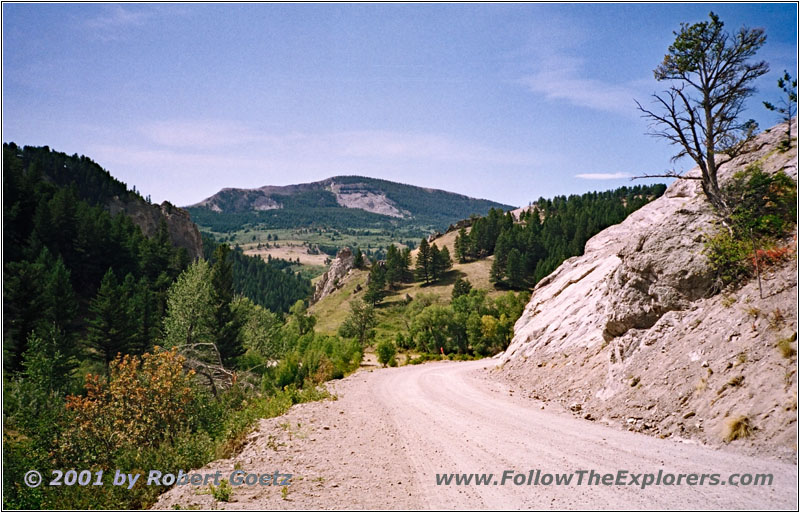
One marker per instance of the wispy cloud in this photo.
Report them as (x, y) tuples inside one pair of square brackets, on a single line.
[(113, 22), (564, 77), (208, 136), (603, 176), (204, 156), (560, 72)]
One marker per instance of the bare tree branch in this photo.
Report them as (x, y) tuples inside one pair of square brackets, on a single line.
[(711, 78)]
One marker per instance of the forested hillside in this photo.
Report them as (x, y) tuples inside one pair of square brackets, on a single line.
[(270, 284), (120, 352), (70, 268), (549, 232)]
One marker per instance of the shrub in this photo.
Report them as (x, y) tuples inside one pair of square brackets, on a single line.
[(425, 357), (143, 403), (727, 256), (736, 428), (386, 352), (785, 346), (763, 210), (222, 492)]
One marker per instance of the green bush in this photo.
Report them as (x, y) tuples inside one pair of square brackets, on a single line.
[(763, 210), (385, 351), (727, 256), (222, 492)]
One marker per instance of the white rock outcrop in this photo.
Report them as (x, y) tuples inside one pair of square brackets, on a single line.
[(623, 329), (333, 277)]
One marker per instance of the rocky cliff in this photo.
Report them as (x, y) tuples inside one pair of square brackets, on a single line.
[(335, 275), (182, 231), (636, 333)]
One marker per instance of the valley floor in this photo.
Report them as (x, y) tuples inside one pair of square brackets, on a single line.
[(390, 431)]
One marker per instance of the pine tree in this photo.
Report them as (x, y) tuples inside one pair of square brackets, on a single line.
[(405, 270), (460, 246), (377, 284), (502, 247), (107, 333), (358, 261), (461, 287), (226, 325), (394, 266), (49, 360), (516, 269), (423, 266), (433, 262), (441, 261), (60, 306)]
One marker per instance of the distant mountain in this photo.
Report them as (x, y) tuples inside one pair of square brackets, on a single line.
[(340, 202)]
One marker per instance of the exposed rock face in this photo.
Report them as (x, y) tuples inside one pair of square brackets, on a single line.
[(357, 195), (182, 231), (623, 329), (432, 237), (464, 223), (334, 276)]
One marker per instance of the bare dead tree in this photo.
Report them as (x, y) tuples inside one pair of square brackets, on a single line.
[(197, 359), (710, 78)]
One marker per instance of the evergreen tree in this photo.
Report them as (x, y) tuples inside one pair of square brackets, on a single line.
[(394, 266), (49, 360), (226, 326), (433, 262), (441, 261), (107, 333), (710, 76), (405, 270), (377, 284), (787, 108), (502, 247), (59, 303), (461, 287), (23, 303), (460, 246), (515, 269), (358, 260), (422, 269)]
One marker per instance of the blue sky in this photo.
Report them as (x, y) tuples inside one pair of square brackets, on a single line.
[(502, 101)]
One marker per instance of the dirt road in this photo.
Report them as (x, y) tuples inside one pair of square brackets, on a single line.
[(381, 444)]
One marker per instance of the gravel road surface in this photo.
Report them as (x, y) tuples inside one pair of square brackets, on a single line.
[(382, 442)]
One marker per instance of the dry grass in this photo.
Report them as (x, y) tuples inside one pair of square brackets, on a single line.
[(291, 253), (732, 383), (332, 310), (753, 312), (737, 428), (701, 385), (776, 319), (785, 347)]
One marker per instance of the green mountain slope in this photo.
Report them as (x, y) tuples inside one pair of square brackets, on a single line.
[(341, 202)]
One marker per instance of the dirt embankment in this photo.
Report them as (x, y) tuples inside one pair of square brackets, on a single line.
[(633, 334)]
